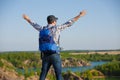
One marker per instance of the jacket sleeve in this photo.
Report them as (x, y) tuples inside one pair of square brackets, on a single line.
[(66, 24), (36, 26)]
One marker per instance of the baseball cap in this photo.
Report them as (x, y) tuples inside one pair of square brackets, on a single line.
[(51, 18)]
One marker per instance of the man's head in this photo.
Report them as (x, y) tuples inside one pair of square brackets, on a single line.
[(51, 19)]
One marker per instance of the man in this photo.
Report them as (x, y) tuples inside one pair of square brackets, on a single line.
[(50, 57)]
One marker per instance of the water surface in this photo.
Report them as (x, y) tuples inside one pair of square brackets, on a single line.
[(83, 68)]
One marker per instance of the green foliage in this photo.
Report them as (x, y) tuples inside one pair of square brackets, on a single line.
[(87, 75), (1, 64), (32, 60), (78, 73), (90, 76), (29, 72), (18, 59), (110, 69), (51, 77), (95, 74)]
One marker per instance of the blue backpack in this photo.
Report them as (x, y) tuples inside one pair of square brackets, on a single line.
[(46, 41)]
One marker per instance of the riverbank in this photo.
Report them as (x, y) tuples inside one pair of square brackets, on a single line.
[(84, 68)]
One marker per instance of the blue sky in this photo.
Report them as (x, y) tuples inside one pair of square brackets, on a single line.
[(99, 29)]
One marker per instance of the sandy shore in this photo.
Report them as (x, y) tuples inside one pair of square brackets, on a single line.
[(100, 52)]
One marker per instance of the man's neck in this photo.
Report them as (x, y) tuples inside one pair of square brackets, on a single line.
[(52, 24)]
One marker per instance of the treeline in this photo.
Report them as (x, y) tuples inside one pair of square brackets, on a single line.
[(86, 51), (93, 57)]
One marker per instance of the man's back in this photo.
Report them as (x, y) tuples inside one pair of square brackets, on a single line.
[(46, 40)]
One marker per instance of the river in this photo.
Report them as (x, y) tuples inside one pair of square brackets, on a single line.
[(73, 69), (83, 68)]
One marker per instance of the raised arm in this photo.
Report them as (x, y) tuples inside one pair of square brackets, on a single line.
[(70, 22), (35, 25)]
